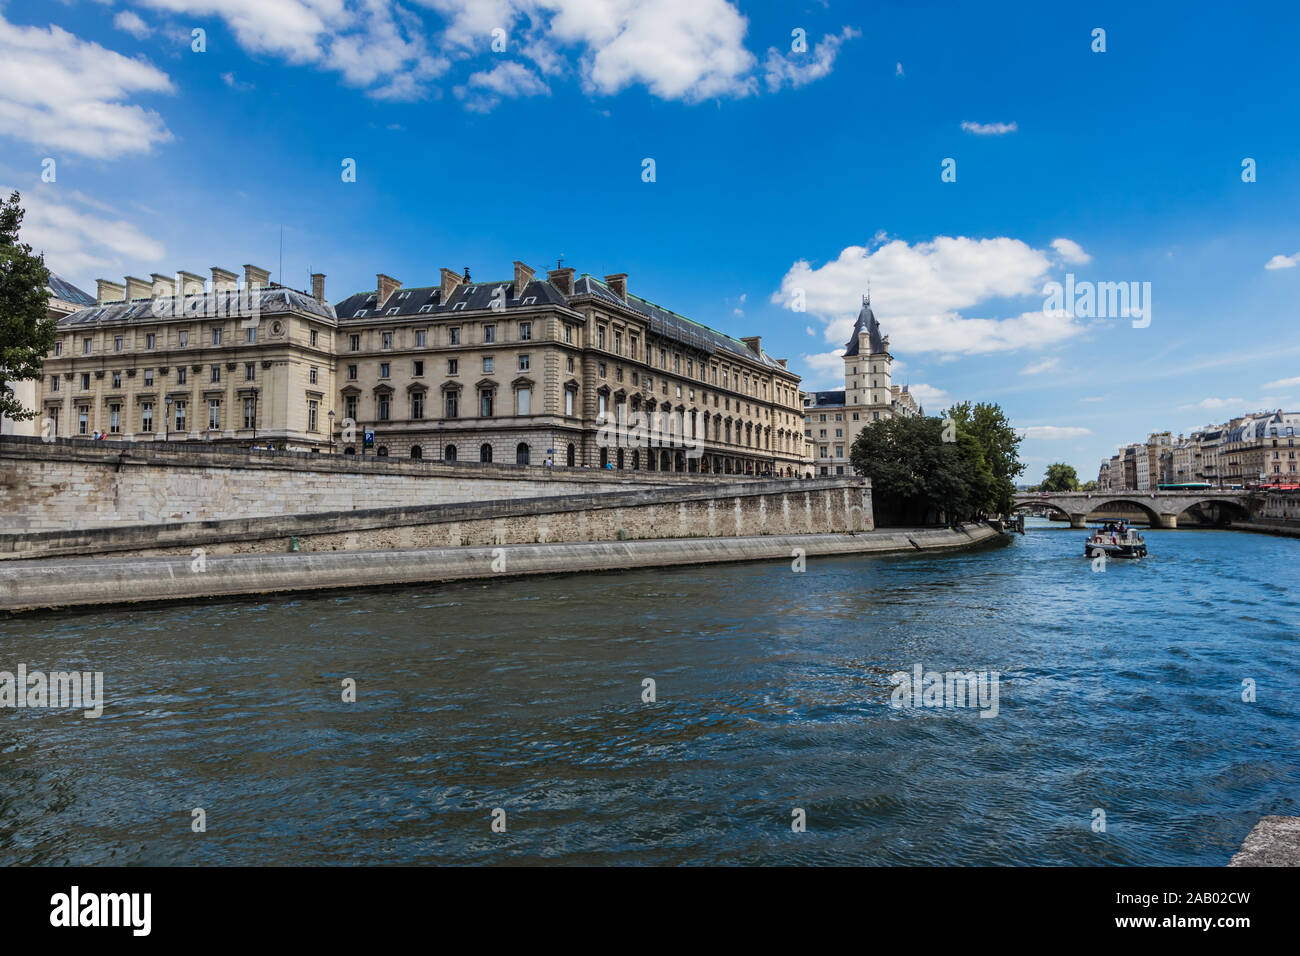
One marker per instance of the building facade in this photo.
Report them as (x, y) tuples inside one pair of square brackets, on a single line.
[(577, 371), (833, 419)]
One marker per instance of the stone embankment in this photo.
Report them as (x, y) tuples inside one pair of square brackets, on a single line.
[(62, 583)]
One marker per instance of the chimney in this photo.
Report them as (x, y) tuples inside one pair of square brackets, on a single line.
[(449, 282), (318, 287), (255, 278), (523, 276), (163, 286), (107, 291), (618, 284), (755, 343), (562, 279), (386, 285), (781, 362), (138, 289), (190, 284), (223, 280)]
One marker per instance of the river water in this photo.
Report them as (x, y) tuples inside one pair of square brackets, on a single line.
[(1119, 692)]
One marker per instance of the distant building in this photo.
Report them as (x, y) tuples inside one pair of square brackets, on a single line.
[(833, 419)]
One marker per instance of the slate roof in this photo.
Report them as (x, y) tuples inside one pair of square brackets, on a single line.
[(61, 288), (823, 399), (468, 296), (867, 321), (270, 301)]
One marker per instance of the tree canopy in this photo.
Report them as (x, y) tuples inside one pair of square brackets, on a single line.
[(27, 331), (1060, 477), (999, 443)]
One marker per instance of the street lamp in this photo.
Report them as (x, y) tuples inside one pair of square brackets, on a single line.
[(254, 391), (441, 423), (331, 417), (167, 424)]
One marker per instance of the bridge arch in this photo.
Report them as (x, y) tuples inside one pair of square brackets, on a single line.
[(1102, 503), (1039, 503)]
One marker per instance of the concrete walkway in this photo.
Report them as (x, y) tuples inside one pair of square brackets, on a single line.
[(1275, 841), (68, 582)]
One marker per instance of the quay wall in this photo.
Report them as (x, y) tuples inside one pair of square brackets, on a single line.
[(736, 509), (73, 484), (60, 583)]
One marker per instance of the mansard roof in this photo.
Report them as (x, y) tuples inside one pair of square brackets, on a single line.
[(210, 305), (468, 296), (65, 291), (866, 322)]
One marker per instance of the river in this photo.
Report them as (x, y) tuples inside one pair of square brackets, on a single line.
[(1119, 692)]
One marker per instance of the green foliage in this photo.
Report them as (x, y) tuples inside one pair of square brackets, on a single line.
[(916, 476), (1060, 477), (1088, 486), (26, 331), (1000, 444)]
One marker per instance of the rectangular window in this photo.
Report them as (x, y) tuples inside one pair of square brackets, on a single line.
[(354, 343), (568, 364), (85, 346), (215, 374), (117, 379), (312, 408), (485, 404), (600, 336), (251, 332), (569, 396), (489, 333), (417, 404), (386, 341), (350, 407), (568, 335), (85, 380), (417, 369), (182, 374), (216, 336), (453, 335), (525, 401), (312, 376), (146, 418), (451, 403), (383, 370), (525, 331), (83, 419), (618, 343), (383, 408), (488, 363), (314, 333), (523, 363), (250, 413), (180, 416), (117, 343), (115, 419), (54, 383), (250, 372), (453, 366), (183, 337), (352, 373), (58, 348), (214, 414), (421, 336), (150, 339)]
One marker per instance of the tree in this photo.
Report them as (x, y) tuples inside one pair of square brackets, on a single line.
[(1000, 444), (1088, 486), (1060, 477), (27, 331)]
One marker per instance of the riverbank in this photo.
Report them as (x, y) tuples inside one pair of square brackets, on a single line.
[(62, 582), (1285, 529)]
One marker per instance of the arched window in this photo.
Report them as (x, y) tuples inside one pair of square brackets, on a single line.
[(521, 453), (604, 457), (636, 460), (620, 459), (382, 451), (449, 453), (417, 451), (349, 451), (572, 456), (485, 452)]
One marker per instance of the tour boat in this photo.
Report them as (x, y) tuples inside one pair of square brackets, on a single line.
[(1115, 542)]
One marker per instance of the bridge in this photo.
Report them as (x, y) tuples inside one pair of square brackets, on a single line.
[(1161, 507)]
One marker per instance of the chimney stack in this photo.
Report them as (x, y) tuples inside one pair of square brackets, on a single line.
[(318, 287), (755, 343), (190, 284), (106, 291), (618, 284), (223, 280), (138, 289), (386, 286), (163, 286), (255, 278), (450, 280), (562, 279), (523, 276)]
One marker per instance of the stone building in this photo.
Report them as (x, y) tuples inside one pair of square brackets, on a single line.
[(518, 370), (1261, 449), (833, 419), (62, 298)]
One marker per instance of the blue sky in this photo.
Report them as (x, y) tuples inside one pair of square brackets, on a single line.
[(781, 175)]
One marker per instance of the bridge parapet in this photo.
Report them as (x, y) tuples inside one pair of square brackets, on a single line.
[(1162, 507)]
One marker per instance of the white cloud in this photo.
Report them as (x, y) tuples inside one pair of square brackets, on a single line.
[(1093, 398), (1071, 251), (920, 290), (1046, 365), (1214, 403), (235, 84), (1282, 383), (989, 129), (798, 69), (62, 93), (928, 395), (898, 70), (1054, 432), (485, 89), (132, 24), (77, 242), (1283, 262)]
